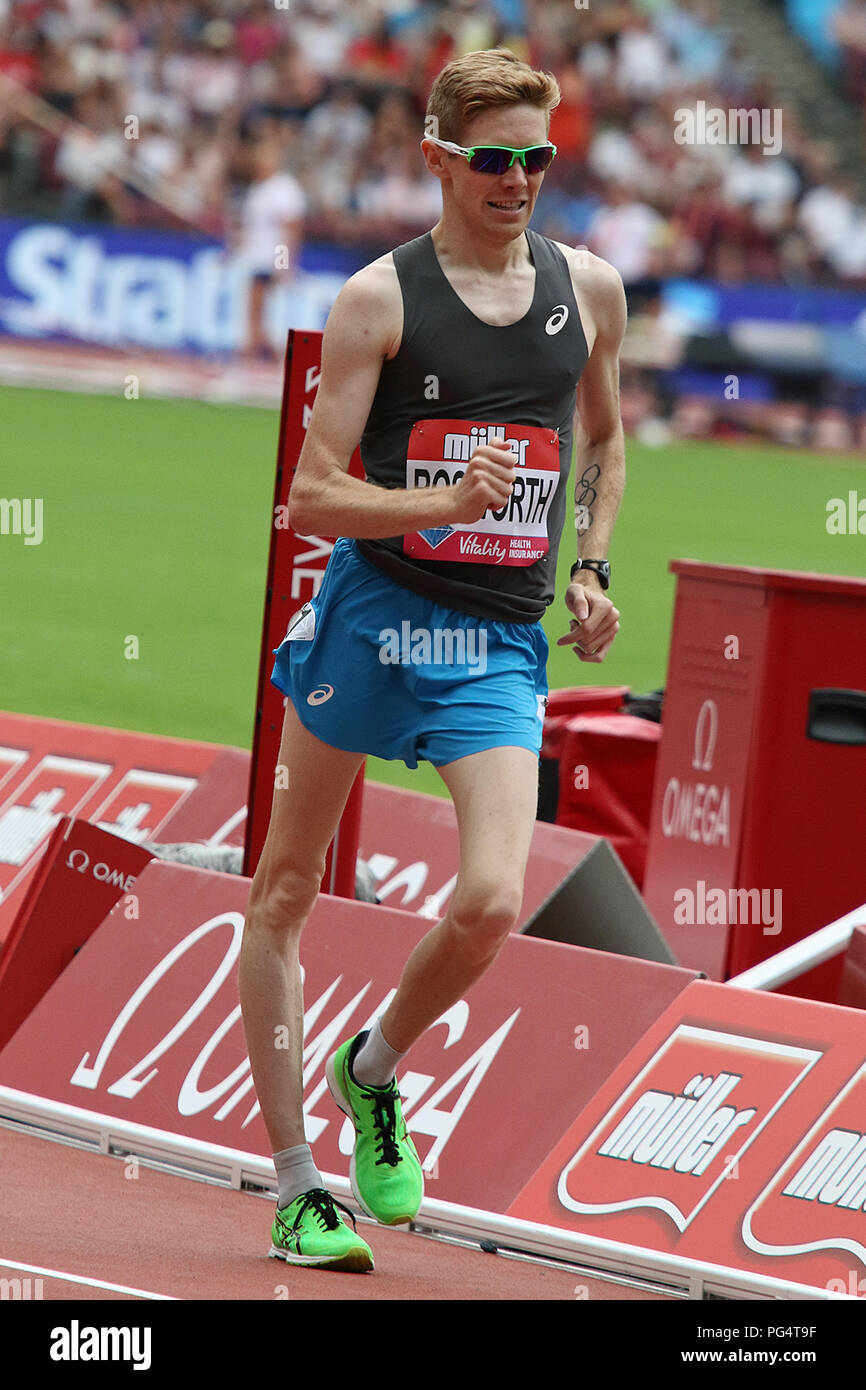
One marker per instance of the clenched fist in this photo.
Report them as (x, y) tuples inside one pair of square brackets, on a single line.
[(487, 482)]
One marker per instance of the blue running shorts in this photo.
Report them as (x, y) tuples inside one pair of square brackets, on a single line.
[(372, 667)]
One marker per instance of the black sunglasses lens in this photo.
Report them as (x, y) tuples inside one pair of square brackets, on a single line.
[(491, 161), (538, 159), (496, 161)]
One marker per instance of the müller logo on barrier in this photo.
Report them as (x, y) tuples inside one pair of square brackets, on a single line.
[(683, 1125), (817, 1198)]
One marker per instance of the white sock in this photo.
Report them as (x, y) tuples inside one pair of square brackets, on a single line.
[(375, 1062), (296, 1173)]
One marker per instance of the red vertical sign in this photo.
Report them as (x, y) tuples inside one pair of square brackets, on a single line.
[(296, 567)]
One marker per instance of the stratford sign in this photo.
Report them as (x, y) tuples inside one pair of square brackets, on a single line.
[(734, 1134)]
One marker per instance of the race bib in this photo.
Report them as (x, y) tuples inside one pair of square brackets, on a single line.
[(515, 534)]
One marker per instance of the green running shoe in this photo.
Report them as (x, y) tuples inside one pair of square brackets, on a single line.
[(310, 1231), (385, 1171)]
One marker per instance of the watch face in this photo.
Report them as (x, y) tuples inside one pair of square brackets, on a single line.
[(599, 567)]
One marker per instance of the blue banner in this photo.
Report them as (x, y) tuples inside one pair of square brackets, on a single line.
[(122, 287), (129, 288), (706, 306)]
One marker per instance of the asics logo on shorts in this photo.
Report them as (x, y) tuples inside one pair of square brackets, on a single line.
[(557, 319), (320, 695)]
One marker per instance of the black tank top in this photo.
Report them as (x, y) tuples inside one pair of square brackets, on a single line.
[(451, 365)]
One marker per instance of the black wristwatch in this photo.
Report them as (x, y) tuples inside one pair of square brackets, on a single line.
[(601, 567)]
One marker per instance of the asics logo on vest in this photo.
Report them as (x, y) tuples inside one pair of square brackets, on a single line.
[(557, 318), (320, 695)]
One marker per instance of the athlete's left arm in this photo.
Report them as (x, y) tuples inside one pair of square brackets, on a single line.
[(600, 455)]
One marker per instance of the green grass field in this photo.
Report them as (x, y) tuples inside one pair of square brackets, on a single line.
[(156, 520)]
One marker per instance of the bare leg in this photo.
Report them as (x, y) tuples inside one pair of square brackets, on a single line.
[(304, 817), (257, 340), (495, 797)]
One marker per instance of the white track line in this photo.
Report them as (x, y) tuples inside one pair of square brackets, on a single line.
[(80, 1279)]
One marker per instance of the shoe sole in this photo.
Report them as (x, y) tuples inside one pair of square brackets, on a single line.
[(342, 1102), (357, 1261)]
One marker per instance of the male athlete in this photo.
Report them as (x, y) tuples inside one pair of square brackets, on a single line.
[(454, 361)]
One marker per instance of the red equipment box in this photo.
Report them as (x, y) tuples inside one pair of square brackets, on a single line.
[(756, 838)]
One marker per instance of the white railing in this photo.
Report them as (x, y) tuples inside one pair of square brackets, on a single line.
[(803, 955), (678, 1275)]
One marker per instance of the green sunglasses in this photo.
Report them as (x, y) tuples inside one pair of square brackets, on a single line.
[(495, 159)]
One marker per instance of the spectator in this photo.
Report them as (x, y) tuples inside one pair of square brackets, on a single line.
[(827, 214), (614, 157), (630, 235), (321, 39), (643, 65), (571, 123), (90, 156), (258, 33), (341, 123), (375, 56), (696, 42), (271, 216), (767, 184), (405, 196)]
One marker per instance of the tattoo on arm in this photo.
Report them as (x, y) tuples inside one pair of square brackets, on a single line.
[(584, 498)]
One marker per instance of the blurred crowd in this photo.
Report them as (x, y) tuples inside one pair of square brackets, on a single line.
[(167, 113)]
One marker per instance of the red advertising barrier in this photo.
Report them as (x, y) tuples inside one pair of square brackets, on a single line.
[(732, 1134), (761, 768), (81, 875), (222, 790), (410, 842), (146, 788), (575, 889), (296, 568), (144, 1025), (137, 786)]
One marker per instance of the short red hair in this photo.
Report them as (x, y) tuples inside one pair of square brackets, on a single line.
[(492, 77)]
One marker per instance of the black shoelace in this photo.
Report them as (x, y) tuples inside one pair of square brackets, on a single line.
[(324, 1206), (385, 1121)]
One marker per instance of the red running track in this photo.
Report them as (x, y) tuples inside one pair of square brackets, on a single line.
[(84, 1216)]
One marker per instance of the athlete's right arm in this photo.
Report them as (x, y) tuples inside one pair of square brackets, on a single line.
[(364, 328)]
